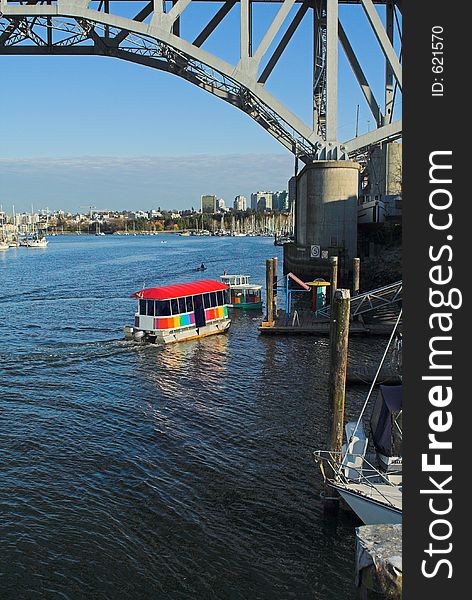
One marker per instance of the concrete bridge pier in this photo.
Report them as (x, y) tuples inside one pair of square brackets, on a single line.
[(325, 220)]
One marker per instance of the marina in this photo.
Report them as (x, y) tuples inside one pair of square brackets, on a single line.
[(156, 442)]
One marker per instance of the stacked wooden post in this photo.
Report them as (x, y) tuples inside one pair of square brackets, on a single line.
[(356, 272), (271, 290), (334, 276), (275, 270)]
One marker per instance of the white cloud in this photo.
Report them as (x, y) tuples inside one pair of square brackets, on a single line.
[(134, 182)]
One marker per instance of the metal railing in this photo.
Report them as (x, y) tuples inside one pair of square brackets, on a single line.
[(369, 301), (368, 474)]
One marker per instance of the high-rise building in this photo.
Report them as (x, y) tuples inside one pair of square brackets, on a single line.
[(261, 201), (208, 204), (280, 200), (240, 203)]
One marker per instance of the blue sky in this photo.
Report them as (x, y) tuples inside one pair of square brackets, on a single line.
[(80, 130)]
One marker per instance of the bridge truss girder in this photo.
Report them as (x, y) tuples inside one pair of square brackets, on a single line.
[(152, 38)]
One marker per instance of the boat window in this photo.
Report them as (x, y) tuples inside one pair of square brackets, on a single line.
[(221, 297), (189, 303), (227, 296), (142, 307), (213, 300), (175, 306), (182, 307), (206, 300), (162, 308), (150, 308)]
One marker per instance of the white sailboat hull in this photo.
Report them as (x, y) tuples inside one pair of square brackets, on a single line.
[(37, 244), (369, 510)]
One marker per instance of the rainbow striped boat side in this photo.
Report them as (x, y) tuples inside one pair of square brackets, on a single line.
[(180, 312)]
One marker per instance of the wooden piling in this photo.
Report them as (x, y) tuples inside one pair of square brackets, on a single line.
[(356, 273), (334, 276), (269, 291), (275, 272), (339, 335)]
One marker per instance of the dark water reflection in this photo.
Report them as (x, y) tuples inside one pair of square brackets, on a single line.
[(142, 472)]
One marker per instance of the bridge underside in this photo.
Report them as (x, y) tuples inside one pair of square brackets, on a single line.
[(151, 36)]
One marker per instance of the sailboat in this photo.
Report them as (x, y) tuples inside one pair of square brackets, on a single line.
[(97, 229), (37, 241), (4, 245), (14, 240), (371, 484)]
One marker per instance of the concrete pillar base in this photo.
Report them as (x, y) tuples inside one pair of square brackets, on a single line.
[(325, 220)]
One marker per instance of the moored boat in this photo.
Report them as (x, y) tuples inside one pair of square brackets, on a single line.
[(242, 294), (371, 484), (37, 242), (175, 313), (4, 245)]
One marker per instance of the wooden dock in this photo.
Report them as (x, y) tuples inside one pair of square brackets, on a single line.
[(305, 323)]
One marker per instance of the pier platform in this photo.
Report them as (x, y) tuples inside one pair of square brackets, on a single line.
[(305, 323), (379, 562)]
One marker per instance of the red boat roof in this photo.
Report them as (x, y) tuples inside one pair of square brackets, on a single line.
[(179, 290)]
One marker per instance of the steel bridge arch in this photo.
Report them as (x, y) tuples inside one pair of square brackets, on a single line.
[(156, 45)]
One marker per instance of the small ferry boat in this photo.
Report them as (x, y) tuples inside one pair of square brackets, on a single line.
[(184, 311), (242, 294)]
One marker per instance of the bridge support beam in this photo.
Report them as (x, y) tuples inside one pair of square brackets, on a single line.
[(325, 220)]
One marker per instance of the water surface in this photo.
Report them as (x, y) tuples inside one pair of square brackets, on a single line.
[(144, 472)]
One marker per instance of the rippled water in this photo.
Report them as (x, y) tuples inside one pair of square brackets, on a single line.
[(145, 472)]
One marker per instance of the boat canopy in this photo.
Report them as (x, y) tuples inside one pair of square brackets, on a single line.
[(167, 292), (386, 421), (235, 279)]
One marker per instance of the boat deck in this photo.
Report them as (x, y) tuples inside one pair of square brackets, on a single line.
[(380, 492)]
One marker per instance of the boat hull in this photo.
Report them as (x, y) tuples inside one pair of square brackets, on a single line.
[(37, 244), (369, 511), (248, 305), (173, 336)]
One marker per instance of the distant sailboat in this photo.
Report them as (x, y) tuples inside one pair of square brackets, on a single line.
[(3, 236)]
